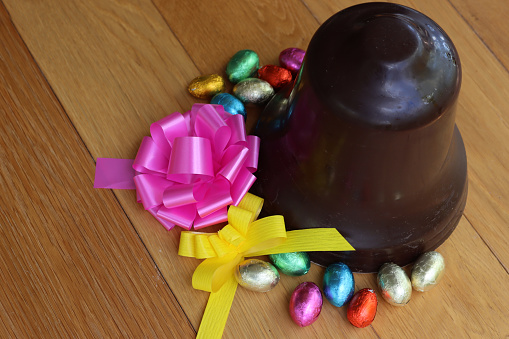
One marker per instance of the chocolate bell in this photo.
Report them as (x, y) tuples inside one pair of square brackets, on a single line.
[(366, 141)]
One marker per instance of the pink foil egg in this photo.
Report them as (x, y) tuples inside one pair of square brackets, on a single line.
[(306, 304), (291, 59)]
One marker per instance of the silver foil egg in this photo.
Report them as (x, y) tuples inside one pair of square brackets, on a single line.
[(427, 271), (256, 275), (394, 284), (253, 91)]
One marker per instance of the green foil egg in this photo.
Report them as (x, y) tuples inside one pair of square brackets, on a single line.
[(242, 65), (293, 263), (253, 91), (256, 275)]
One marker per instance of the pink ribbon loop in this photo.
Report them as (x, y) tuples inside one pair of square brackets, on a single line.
[(150, 158), (168, 129), (191, 161), (178, 195), (191, 167)]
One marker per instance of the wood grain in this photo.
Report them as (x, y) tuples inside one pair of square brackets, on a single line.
[(117, 66), (212, 34), (488, 19), (71, 263)]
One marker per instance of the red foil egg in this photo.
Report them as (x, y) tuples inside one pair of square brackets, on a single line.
[(362, 308), (276, 76)]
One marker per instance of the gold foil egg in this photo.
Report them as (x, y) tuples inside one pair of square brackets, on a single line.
[(206, 86), (256, 275), (427, 271), (253, 91), (394, 284)]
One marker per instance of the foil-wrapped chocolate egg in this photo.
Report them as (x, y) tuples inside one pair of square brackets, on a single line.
[(206, 86), (253, 91), (361, 310), (291, 59), (427, 271), (256, 275), (293, 263), (394, 284), (242, 65), (230, 104), (276, 76), (338, 284), (306, 304)]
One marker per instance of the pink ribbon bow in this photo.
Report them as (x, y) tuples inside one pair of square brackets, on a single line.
[(191, 168)]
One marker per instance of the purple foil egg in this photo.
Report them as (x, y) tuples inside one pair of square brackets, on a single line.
[(306, 304), (291, 59)]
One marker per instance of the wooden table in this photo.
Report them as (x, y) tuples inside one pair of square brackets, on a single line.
[(84, 79)]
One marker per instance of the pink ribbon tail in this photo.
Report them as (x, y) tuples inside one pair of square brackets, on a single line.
[(114, 173)]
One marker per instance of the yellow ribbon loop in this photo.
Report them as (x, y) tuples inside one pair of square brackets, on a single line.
[(243, 236)]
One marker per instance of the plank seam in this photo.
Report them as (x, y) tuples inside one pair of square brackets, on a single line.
[(478, 36), (487, 245), (311, 12), (374, 330), (91, 156)]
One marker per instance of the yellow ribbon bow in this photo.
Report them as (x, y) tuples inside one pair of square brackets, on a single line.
[(242, 237)]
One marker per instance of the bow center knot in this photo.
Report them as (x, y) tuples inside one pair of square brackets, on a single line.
[(244, 236)]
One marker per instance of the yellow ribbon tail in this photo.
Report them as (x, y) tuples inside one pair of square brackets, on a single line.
[(309, 240), (217, 310)]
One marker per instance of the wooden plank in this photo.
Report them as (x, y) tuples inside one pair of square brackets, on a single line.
[(212, 34), (111, 62), (71, 263), (488, 19), (116, 68), (470, 302), (121, 58)]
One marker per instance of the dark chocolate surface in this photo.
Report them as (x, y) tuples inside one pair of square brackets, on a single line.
[(366, 141)]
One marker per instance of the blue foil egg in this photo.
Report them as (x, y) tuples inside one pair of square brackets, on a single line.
[(338, 284), (230, 103)]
